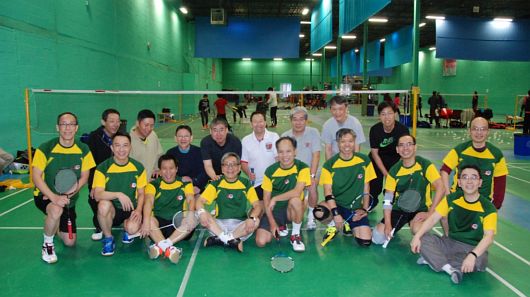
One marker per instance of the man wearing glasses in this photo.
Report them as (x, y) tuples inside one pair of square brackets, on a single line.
[(472, 222), (215, 145), (231, 193), (485, 156), (59, 153), (410, 173)]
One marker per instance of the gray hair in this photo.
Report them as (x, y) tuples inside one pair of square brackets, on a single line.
[(299, 109), (228, 155)]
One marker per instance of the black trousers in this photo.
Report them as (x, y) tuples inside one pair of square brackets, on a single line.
[(274, 119), (204, 117), (526, 124)]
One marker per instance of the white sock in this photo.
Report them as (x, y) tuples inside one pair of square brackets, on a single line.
[(48, 239), (296, 228), (448, 268), (164, 244), (310, 216), (226, 237)]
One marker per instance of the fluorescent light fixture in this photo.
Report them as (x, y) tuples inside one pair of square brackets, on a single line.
[(301, 35), (309, 59), (278, 59), (330, 47), (305, 11), (183, 9), (305, 22), (246, 59), (504, 19), (435, 17), (356, 50), (422, 24), (348, 36), (378, 20), (382, 40), (317, 54), (432, 48)]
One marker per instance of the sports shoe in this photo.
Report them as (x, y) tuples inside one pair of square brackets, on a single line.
[(173, 254), (236, 244), (108, 246), (97, 236), (48, 253), (283, 231), (330, 231), (126, 239), (154, 251), (421, 261), (296, 242), (311, 225), (456, 276), (213, 241)]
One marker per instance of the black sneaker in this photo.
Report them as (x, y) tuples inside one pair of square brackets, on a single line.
[(213, 241), (236, 244)]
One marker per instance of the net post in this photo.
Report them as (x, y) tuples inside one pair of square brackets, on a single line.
[(28, 135), (180, 107), (415, 92)]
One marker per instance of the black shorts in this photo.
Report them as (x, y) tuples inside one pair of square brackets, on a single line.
[(346, 213), (406, 217), (120, 216), (166, 232), (280, 216), (63, 222), (259, 192)]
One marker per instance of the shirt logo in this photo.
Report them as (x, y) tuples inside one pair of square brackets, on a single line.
[(474, 226), (487, 172), (386, 142), (133, 185), (307, 144), (229, 196), (286, 181), (77, 167), (179, 197), (268, 146), (360, 176)]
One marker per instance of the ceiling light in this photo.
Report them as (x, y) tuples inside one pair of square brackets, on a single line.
[(330, 47), (309, 59), (432, 48), (378, 20), (435, 17), (305, 22), (317, 54), (305, 11), (422, 24), (356, 50), (382, 40), (278, 59), (302, 35), (247, 59), (183, 9), (502, 19), (348, 36)]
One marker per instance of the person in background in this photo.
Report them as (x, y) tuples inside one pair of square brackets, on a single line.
[(146, 147), (204, 110)]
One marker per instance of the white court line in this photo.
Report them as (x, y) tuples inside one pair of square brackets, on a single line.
[(498, 277), (517, 167), (186, 277), (12, 194), (519, 179), (10, 210), (39, 228)]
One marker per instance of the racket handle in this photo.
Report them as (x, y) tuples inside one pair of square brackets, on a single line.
[(385, 244), (347, 227), (70, 229), (328, 239), (131, 236)]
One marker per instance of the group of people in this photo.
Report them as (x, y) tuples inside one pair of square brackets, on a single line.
[(134, 183)]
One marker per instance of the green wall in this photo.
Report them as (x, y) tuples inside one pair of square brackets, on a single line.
[(261, 74), (501, 81), (94, 44)]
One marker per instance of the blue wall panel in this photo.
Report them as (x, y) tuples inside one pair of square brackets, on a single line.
[(352, 13), (398, 47), (321, 25)]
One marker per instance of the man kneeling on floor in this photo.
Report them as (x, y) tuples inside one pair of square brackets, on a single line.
[(231, 225), (472, 222)]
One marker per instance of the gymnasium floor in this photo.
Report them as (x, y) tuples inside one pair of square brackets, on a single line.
[(340, 269)]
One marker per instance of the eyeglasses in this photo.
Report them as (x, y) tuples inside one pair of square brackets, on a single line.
[(472, 177), (183, 136), (230, 165), (479, 129), (67, 124), (221, 130), (406, 144)]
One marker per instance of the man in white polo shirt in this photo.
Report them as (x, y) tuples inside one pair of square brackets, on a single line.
[(308, 151), (259, 151)]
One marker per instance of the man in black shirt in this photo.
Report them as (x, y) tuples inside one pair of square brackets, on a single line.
[(204, 110), (215, 145), (383, 140), (99, 142)]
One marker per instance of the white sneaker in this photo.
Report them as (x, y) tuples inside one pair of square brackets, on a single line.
[(296, 242), (173, 254), (97, 236), (48, 253), (311, 225), (154, 251), (421, 261), (283, 231)]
